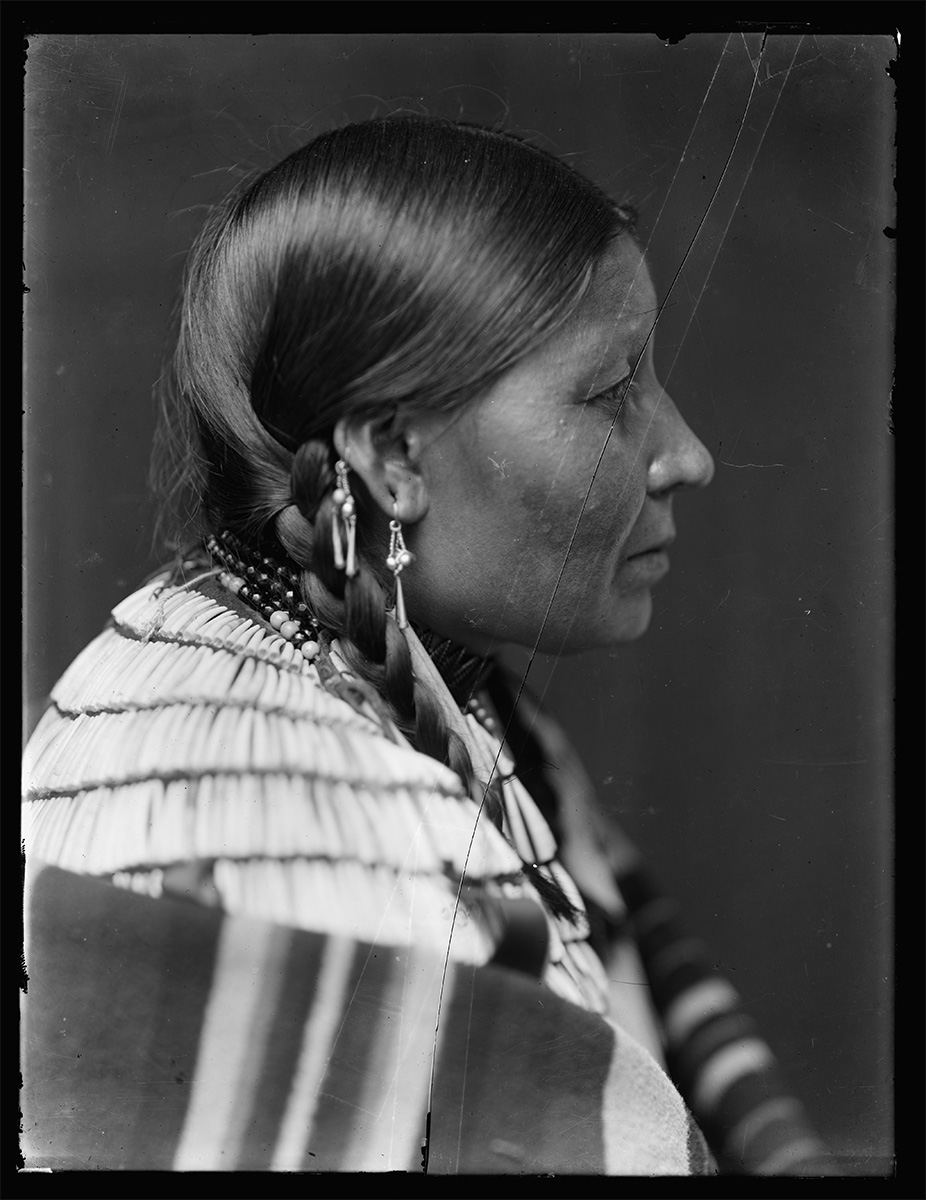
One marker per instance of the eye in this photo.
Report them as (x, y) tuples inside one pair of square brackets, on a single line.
[(614, 396)]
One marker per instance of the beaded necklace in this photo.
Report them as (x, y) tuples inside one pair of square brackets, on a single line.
[(267, 586)]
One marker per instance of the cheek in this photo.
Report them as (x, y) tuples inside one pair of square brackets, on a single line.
[(533, 501), (591, 527), (619, 492), (613, 508), (544, 519)]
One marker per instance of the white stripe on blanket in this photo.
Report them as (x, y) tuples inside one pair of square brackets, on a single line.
[(235, 1029)]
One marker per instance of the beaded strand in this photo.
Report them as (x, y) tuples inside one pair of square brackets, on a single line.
[(269, 588), (479, 709)]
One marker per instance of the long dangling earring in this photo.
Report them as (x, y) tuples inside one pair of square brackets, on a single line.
[(396, 560), (344, 510)]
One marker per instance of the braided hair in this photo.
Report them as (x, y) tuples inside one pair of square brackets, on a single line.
[(397, 264)]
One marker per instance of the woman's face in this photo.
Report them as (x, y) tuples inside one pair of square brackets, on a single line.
[(550, 499)]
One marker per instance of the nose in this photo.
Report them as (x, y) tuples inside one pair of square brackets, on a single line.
[(677, 458)]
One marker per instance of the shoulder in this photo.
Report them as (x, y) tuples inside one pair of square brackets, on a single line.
[(184, 722), (190, 747), (181, 684)]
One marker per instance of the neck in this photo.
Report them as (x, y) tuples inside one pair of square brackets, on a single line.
[(463, 671)]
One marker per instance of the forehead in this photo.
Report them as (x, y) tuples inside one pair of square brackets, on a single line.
[(607, 330), (592, 348), (621, 301)]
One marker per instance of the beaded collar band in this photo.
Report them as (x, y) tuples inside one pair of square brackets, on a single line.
[(267, 586), (271, 588)]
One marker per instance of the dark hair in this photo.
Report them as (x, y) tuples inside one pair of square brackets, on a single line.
[(397, 263)]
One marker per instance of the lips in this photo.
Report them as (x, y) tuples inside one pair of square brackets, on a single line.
[(657, 547)]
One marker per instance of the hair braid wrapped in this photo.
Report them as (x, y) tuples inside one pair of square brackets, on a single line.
[(353, 609)]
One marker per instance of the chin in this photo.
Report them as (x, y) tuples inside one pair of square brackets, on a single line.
[(628, 619), (630, 622)]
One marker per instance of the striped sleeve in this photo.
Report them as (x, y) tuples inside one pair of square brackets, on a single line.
[(714, 1051), (712, 1048)]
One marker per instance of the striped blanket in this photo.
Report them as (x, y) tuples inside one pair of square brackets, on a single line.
[(162, 1034)]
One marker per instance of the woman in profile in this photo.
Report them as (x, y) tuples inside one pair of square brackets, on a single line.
[(322, 881)]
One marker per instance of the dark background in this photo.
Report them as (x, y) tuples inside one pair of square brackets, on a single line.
[(745, 742)]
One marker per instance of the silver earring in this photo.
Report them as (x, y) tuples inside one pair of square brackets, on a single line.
[(397, 560), (344, 511)]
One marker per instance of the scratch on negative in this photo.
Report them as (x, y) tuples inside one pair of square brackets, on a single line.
[(832, 222), (881, 522), (117, 115), (803, 762), (729, 464)]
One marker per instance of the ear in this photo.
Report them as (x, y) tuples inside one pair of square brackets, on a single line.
[(387, 455)]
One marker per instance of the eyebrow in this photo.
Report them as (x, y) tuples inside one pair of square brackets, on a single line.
[(633, 348), (645, 332), (637, 342)]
